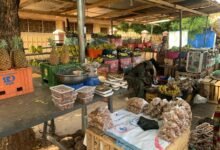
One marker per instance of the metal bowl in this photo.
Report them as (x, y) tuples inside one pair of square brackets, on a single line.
[(67, 77)]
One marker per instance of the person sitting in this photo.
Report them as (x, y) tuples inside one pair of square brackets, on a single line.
[(141, 77)]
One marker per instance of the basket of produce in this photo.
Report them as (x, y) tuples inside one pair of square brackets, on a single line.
[(169, 91)]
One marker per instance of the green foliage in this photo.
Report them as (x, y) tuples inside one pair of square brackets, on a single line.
[(3, 44), (123, 27), (137, 27), (70, 41), (194, 25), (17, 43), (52, 43)]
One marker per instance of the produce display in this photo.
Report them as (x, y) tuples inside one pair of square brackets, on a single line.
[(101, 119), (136, 105), (202, 137), (5, 61), (169, 89), (63, 96), (54, 55), (156, 108), (110, 56), (85, 94), (18, 55), (123, 54), (35, 50), (185, 84), (65, 55), (176, 120)]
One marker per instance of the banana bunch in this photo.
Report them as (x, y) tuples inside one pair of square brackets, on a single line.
[(110, 56), (123, 54), (170, 91), (99, 59)]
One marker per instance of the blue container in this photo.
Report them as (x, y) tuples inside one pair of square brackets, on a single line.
[(92, 81)]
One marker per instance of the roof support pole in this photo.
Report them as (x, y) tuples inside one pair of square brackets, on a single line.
[(180, 26), (112, 27), (81, 24), (206, 26)]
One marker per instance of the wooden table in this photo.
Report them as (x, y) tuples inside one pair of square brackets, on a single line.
[(97, 140), (23, 112)]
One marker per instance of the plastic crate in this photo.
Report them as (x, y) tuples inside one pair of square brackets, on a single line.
[(15, 82), (48, 72)]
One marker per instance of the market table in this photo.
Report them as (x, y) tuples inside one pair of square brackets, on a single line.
[(22, 112)]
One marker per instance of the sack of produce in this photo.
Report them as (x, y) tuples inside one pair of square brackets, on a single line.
[(155, 108), (101, 119), (202, 137), (177, 118), (136, 105)]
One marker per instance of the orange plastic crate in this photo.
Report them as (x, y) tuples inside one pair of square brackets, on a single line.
[(15, 82)]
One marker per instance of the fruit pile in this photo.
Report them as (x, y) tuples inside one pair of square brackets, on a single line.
[(62, 54), (123, 54), (202, 137), (169, 90), (16, 58), (101, 119), (110, 56)]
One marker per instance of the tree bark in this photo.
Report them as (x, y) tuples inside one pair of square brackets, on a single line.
[(9, 19)]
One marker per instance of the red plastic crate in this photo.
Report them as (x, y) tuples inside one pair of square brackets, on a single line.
[(125, 62), (114, 64), (15, 82)]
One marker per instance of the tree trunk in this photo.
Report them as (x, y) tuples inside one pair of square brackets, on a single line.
[(9, 19)]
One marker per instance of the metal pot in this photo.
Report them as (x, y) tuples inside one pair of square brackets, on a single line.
[(67, 77), (71, 79)]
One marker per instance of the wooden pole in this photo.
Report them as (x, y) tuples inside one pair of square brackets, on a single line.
[(206, 26), (81, 24), (180, 26), (112, 27)]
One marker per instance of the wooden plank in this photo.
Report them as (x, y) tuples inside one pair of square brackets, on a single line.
[(131, 11), (96, 4), (29, 2), (179, 7), (51, 17)]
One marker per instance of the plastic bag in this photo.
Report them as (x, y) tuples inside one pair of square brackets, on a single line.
[(199, 99)]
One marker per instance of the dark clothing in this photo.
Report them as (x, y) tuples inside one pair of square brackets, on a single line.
[(140, 77), (147, 124)]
